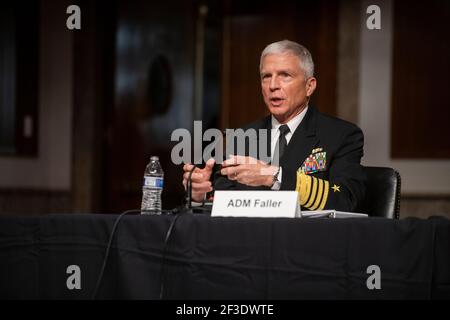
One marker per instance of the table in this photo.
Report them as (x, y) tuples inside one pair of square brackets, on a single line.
[(223, 258)]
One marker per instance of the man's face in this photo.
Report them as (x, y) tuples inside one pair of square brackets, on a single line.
[(284, 86)]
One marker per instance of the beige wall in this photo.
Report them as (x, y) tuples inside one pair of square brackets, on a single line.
[(51, 170)]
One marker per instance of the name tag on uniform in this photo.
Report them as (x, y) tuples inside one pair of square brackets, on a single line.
[(261, 204)]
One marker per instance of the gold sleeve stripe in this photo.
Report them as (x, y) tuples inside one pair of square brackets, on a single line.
[(319, 195), (309, 191), (298, 184), (313, 193), (325, 195), (303, 187)]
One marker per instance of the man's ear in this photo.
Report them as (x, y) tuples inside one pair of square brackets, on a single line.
[(311, 84)]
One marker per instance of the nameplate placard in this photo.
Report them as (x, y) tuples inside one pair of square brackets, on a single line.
[(262, 204)]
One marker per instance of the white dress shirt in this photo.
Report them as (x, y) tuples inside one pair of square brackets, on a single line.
[(275, 134)]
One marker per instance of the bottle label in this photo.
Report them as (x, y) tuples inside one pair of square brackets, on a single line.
[(154, 182)]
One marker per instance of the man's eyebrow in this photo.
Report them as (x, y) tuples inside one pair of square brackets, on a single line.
[(282, 71), (288, 71)]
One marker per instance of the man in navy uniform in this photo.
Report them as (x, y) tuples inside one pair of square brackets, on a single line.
[(319, 156)]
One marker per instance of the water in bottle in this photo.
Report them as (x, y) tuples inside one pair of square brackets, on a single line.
[(152, 188)]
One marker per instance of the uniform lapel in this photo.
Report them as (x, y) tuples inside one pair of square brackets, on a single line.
[(302, 142), (266, 126)]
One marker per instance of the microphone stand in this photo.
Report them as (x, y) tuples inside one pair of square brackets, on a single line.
[(188, 204)]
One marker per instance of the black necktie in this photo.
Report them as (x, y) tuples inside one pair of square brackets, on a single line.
[(281, 144)]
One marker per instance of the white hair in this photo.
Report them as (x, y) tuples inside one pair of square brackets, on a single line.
[(286, 46)]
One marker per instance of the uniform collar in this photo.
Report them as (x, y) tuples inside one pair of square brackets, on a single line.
[(293, 123)]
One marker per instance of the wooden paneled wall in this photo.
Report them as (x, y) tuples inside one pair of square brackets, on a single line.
[(248, 29), (421, 82)]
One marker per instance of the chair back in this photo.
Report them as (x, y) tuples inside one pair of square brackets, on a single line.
[(382, 192)]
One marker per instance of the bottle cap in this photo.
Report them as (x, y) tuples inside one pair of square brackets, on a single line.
[(154, 158)]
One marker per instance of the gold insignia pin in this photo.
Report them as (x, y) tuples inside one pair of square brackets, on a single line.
[(336, 188)]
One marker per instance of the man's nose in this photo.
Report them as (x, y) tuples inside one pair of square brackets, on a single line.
[(274, 83)]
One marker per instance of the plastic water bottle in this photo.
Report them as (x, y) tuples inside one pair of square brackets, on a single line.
[(153, 187)]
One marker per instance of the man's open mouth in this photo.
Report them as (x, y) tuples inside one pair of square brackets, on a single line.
[(276, 101)]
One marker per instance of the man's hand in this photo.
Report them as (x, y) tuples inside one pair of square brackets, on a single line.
[(200, 179), (249, 171)]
